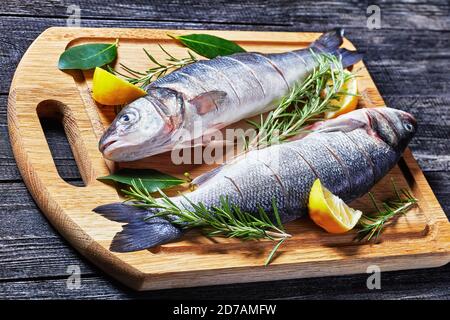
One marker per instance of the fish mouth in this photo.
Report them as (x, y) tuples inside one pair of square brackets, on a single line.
[(114, 149), (108, 143), (411, 118), (104, 146), (108, 147)]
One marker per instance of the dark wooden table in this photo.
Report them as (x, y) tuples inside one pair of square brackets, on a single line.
[(408, 59)]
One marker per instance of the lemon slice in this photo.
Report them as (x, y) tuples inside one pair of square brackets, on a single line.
[(110, 90), (348, 100), (329, 211)]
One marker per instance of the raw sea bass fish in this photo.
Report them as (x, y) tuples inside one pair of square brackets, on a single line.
[(209, 95), (348, 154)]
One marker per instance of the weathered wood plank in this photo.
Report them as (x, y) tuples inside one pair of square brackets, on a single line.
[(440, 183), (32, 257), (27, 240), (430, 146), (413, 284), (431, 15)]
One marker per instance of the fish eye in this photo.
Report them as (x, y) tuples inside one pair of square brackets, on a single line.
[(126, 118), (408, 126)]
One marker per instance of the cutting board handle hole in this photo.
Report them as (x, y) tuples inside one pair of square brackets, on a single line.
[(65, 142)]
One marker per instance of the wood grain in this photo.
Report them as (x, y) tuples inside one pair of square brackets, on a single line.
[(430, 15), (405, 284), (176, 264)]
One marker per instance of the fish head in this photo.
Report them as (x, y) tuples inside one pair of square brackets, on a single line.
[(395, 127), (141, 129)]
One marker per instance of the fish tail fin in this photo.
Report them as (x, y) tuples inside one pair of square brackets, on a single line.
[(331, 41), (348, 57), (142, 229)]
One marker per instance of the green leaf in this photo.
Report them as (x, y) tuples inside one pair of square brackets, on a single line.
[(88, 56), (209, 46), (151, 179)]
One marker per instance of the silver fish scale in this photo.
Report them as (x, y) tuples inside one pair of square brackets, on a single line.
[(294, 186), (323, 164), (290, 62), (248, 186), (254, 187), (350, 155), (211, 79), (286, 172), (247, 85), (213, 192), (381, 155), (270, 78), (181, 83)]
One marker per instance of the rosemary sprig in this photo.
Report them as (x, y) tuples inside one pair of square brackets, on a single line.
[(370, 226), (226, 220), (145, 78), (304, 103)]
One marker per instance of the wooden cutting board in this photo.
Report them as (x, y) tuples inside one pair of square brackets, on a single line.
[(39, 90)]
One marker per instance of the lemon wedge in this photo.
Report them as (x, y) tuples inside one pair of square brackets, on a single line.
[(329, 211), (348, 100), (110, 90)]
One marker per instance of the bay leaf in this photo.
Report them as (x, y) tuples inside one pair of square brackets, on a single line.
[(151, 179), (209, 46), (88, 56)]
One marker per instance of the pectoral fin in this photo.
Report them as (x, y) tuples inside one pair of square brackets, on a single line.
[(208, 101)]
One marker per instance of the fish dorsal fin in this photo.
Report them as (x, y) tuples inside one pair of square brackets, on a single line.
[(344, 126), (329, 126), (208, 101), (201, 179)]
